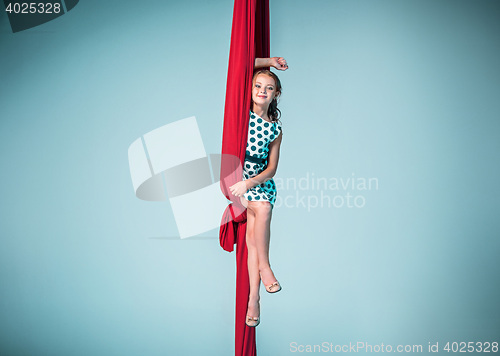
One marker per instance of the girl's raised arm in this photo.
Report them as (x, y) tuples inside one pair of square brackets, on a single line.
[(276, 62)]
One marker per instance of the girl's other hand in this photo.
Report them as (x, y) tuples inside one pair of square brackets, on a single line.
[(239, 188), (279, 63)]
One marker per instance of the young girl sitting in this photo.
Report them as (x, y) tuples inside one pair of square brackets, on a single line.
[(257, 190)]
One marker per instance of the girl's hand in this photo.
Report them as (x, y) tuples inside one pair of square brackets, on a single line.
[(278, 63), (239, 188)]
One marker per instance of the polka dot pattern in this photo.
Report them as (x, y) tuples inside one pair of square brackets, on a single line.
[(260, 134)]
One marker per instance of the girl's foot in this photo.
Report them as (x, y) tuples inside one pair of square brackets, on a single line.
[(266, 276), (253, 313)]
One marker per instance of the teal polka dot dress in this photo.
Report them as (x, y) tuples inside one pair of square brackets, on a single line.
[(260, 134)]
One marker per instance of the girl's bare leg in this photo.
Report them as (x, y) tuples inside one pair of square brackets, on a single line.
[(253, 267), (262, 234)]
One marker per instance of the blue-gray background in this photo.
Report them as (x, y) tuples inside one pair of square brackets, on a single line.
[(406, 92)]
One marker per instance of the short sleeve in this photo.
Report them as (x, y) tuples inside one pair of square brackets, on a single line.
[(277, 130)]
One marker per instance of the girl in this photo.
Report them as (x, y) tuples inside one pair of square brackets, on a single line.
[(257, 190)]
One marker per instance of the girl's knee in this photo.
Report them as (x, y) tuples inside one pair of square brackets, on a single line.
[(250, 238), (251, 244), (261, 208)]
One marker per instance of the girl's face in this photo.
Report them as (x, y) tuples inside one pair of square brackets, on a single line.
[(264, 90)]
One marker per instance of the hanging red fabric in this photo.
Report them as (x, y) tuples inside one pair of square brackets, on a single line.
[(250, 39)]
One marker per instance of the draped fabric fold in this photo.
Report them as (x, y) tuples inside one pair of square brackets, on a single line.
[(250, 39)]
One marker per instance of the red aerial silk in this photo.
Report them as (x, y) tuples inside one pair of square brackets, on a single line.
[(250, 39)]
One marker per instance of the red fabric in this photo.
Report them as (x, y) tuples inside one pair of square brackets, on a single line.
[(250, 39)]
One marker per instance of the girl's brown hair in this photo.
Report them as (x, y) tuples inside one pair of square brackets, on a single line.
[(273, 112)]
